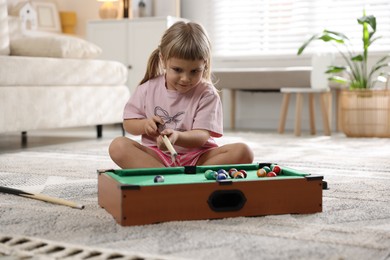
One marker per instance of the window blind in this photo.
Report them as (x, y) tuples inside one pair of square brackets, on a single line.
[(267, 27)]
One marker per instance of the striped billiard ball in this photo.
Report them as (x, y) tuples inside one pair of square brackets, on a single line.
[(232, 171), (238, 175), (244, 173)]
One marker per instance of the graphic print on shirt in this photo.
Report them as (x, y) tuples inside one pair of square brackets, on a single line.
[(170, 122)]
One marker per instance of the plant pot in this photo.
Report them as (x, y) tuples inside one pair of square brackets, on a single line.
[(365, 113)]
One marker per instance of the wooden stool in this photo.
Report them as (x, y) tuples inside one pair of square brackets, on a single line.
[(326, 106)]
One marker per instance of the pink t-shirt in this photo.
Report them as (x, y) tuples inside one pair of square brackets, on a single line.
[(199, 108)]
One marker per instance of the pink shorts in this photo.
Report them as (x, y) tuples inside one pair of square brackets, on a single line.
[(185, 159)]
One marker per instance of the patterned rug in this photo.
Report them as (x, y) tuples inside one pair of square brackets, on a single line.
[(354, 224)]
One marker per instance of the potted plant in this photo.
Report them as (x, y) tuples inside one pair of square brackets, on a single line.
[(364, 110)]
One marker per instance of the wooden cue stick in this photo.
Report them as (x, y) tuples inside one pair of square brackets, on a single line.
[(169, 145), (41, 197)]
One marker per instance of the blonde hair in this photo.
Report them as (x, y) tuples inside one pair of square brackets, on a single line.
[(187, 41)]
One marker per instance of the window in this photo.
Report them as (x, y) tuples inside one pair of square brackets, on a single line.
[(267, 27)]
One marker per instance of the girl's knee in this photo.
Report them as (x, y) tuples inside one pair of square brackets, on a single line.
[(116, 147), (244, 152)]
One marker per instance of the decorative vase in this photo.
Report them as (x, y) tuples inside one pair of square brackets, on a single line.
[(141, 9), (365, 113)]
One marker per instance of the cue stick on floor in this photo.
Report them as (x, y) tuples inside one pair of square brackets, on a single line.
[(41, 197), (169, 145)]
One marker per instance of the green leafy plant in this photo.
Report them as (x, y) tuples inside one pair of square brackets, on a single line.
[(357, 74)]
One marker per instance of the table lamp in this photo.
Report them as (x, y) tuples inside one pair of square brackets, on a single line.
[(108, 10)]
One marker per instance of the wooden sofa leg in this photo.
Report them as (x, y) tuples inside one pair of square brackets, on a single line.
[(24, 138), (123, 130), (99, 130)]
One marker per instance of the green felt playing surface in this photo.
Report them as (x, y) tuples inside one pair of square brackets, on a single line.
[(191, 175)]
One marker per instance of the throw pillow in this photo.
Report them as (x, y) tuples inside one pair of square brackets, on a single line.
[(56, 46), (4, 37)]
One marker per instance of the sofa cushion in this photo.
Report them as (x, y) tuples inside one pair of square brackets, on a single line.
[(4, 35), (26, 108), (54, 45), (44, 71)]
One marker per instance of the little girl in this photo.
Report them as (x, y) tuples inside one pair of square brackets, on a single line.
[(176, 98)]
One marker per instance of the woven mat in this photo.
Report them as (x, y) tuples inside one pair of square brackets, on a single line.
[(354, 224)]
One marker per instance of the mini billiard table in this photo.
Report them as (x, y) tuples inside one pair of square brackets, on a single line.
[(132, 196)]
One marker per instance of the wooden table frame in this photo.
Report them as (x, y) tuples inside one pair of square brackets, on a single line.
[(138, 205)]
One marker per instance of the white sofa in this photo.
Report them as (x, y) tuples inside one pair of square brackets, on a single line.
[(64, 87)]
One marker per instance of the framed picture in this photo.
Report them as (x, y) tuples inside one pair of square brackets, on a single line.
[(166, 8), (48, 16)]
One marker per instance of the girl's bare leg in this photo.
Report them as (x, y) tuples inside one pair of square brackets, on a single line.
[(128, 154), (237, 153)]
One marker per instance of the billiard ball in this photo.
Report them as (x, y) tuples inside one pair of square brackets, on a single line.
[(271, 174), (267, 169), (210, 175), (221, 176), (261, 173), (244, 173), (277, 169), (222, 171), (159, 178), (232, 171), (238, 175)]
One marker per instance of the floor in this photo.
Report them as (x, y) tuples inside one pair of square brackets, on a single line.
[(354, 222), (12, 142)]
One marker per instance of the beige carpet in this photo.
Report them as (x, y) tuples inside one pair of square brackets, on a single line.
[(354, 224)]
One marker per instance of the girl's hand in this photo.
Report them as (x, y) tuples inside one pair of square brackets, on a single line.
[(150, 126), (172, 136)]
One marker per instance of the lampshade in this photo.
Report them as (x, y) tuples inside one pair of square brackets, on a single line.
[(108, 10)]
